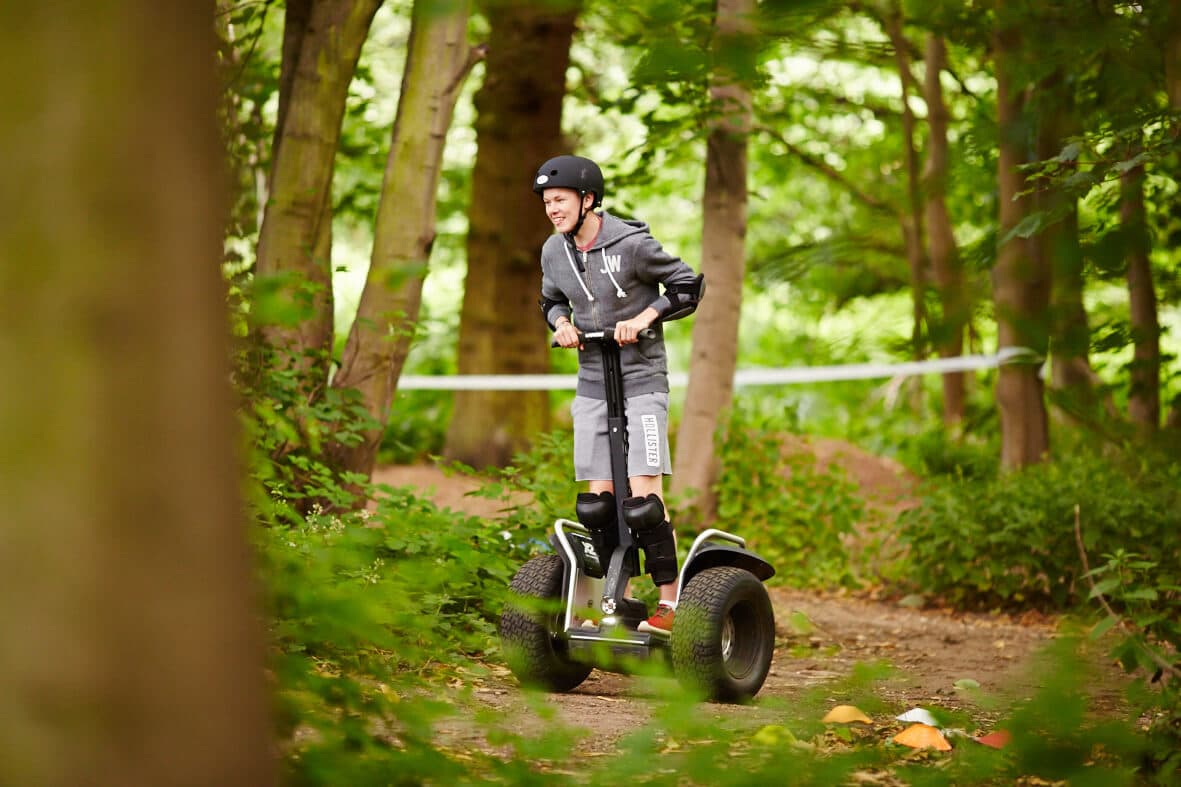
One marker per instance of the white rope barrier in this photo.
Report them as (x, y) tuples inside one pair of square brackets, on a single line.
[(743, 377)]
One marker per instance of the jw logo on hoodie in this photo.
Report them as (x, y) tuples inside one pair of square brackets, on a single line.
[(612, 263)]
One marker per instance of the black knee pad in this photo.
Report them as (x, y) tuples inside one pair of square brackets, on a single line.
[(597, 512), (654, 534)]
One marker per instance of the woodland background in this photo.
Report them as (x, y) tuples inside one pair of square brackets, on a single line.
[(232, 228)]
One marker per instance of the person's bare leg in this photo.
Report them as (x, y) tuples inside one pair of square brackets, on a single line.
[(595, 487)]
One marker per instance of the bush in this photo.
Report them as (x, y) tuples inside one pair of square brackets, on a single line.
[(369, 616), (935, 451), (1141, 600), (796, 515), (417, 427), (537, 488), (1009, 540)]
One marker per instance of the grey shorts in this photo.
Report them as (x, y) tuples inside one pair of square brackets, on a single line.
[(647, 437)]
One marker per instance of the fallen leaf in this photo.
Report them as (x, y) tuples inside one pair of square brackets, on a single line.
[(844, 714), (799, 623), (922, 736), (919, 716), (774, 735), (997, 740)]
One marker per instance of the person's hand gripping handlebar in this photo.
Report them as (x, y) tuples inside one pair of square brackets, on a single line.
[(580, 339)]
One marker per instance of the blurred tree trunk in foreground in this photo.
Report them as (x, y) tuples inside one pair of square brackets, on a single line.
[(438, 60), (322, 42), (1020, 284), (501, 331), (947, 333), (714, 357), (132, 644)]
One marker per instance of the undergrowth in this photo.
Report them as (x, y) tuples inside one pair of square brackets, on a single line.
[(383, 622)]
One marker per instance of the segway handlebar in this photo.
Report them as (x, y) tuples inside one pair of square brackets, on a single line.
[(599, 337)]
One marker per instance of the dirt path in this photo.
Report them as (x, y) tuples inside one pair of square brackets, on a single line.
[(929, 650), (820, 637)]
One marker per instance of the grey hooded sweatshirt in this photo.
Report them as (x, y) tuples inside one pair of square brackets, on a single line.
[(616, 279)]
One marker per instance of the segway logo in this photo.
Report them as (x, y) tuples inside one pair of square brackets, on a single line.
[(651, 440), (612, 263)]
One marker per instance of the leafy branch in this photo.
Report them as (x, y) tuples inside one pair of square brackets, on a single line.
[(1136, 635)]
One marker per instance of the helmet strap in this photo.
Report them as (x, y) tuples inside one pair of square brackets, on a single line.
[(581, 217)]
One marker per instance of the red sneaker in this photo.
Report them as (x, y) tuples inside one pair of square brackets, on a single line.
[(661, 622)]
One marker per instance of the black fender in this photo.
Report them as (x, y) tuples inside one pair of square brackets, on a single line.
[(712, 555)]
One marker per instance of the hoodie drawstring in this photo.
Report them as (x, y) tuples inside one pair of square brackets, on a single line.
[(574, 268)]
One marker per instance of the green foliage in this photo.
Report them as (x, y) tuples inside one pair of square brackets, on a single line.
[(936, 451), (361, 609), (417, 427), (1141, 599), (796, 515), (370, 611), (536, 488), (292, 427), (1010, 540)]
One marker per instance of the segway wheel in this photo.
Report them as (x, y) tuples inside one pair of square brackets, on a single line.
[(529, 628), (723, 635)]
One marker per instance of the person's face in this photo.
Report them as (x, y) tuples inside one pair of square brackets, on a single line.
[(561, 207)]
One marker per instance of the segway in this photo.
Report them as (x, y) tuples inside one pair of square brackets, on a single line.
[(569, 614)]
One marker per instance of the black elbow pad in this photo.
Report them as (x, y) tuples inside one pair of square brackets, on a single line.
[(683, 298), (546, 304)]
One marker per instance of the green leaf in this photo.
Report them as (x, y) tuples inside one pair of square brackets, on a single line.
[(1104, 587), (1103, 626)]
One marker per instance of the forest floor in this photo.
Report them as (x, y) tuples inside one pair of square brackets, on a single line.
[(820, 637)]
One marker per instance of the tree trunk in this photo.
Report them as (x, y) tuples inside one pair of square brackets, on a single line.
[(948, 333), (1173, 89), (294, 245), (1173, 55), (500, 328), (1144, 396), (912, 223), (1070, 363), (714, 356), (133, 649), (1058, 249), (1020, 285), (438, 60), (296, 21)]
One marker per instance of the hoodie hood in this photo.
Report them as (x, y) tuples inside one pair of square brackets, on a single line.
[(615, 229)]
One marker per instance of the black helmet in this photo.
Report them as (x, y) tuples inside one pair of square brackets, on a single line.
[(570, 172)]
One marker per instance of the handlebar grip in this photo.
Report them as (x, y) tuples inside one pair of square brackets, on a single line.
[(607, 335)]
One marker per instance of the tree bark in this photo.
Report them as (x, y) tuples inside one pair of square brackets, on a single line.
[(296, 21), (438, 60), (912, 219), (1144, 374), (954, 300), (1173, 89), (500, 328), (714, 356), (133, 650), (1058, 248), (1020, 284), (1173, 55), (294, 245)]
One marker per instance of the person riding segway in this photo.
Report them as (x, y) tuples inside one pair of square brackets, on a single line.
[(601, 279)]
